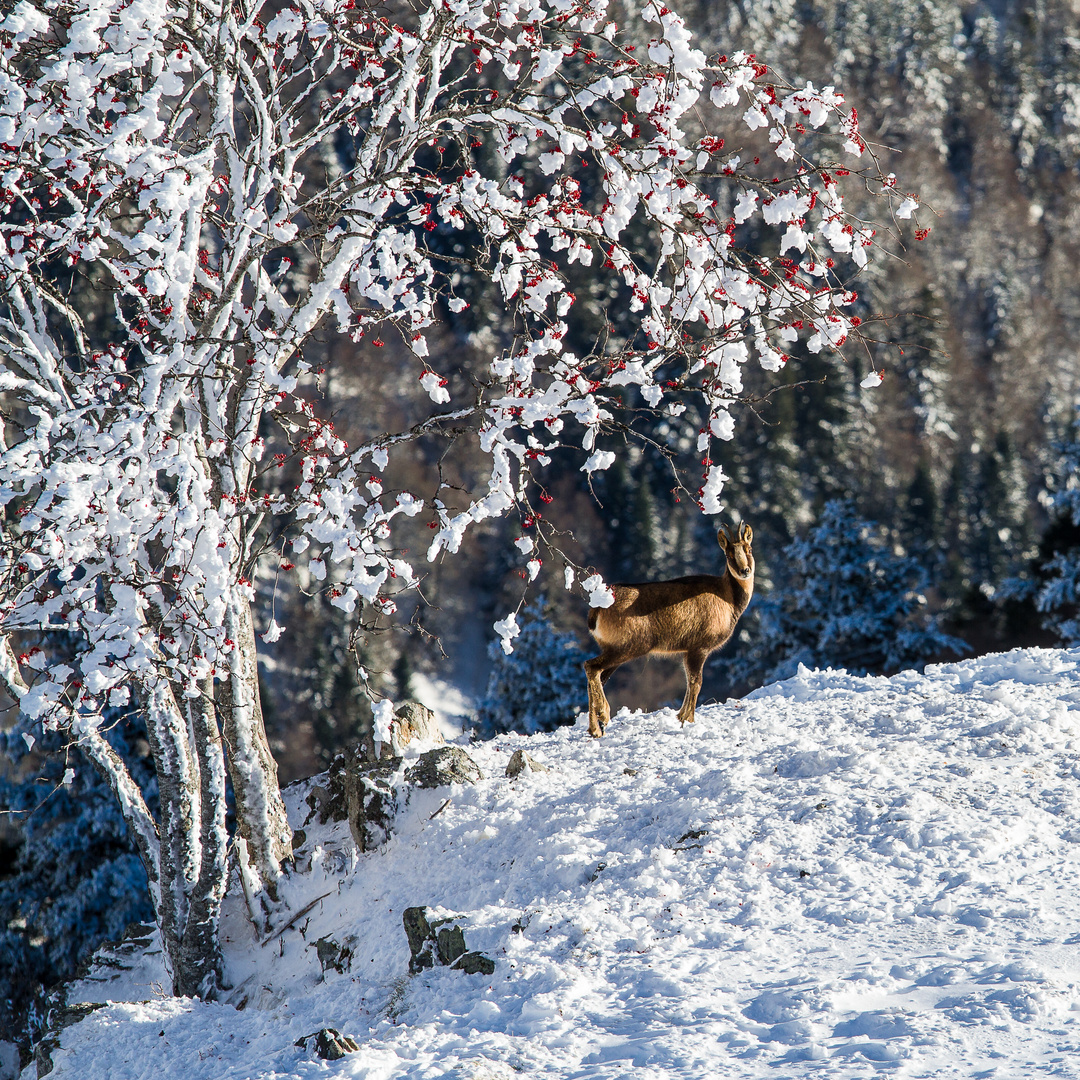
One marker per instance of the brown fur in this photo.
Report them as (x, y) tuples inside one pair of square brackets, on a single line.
[(692, 616)]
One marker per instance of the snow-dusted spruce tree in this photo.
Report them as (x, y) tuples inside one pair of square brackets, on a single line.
[(1057, 588), (71, 881), (190, 189), (847, 600), (536, 686)]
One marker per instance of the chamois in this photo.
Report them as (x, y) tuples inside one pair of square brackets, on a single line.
[(693, 615)]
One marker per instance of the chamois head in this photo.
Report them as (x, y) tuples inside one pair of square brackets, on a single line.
[(740, 558)]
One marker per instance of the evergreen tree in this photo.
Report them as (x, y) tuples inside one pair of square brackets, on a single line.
[(537, 687), (999, 514), (70, 878), (924, 367), (770, 488), (921, 518), (1058, 591), (847, 600), (639, 543), (340, 711), (402, 672)]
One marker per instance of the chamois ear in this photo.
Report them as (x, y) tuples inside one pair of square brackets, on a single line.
[(724, 539), (746, 533)]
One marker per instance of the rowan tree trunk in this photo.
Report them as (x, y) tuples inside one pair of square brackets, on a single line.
[(179, 814), (265, 838), (199, 971)]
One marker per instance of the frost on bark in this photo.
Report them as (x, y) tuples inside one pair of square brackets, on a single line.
[(177, 815), (198, 953), (189, 192), (263, 824)]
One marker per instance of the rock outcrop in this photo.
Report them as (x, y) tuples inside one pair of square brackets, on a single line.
[(440, 941)]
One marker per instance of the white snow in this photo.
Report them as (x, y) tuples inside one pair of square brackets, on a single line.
[(836, 876), (600, 595), (383, 716), (508, 629)]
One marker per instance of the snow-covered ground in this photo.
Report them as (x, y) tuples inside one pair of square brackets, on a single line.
[(833, 877)]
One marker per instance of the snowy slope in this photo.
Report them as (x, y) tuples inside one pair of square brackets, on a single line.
[(836, 876)]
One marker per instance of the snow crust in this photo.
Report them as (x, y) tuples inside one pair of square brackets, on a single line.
[(835, 876)]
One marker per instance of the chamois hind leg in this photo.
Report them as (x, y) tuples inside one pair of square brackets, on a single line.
[(694, 661), (597, 672)]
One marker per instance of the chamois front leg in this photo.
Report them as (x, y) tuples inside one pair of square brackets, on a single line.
[(597, 671), (694, 661), (599, 711)]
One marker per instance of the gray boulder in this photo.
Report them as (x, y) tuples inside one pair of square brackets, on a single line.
[(59, 1018), (446, 765), (368, 794), (334, 955), (413, 725), (521, 762)]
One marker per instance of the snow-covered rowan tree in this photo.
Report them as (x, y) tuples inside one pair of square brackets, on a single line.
[(191, 189)]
